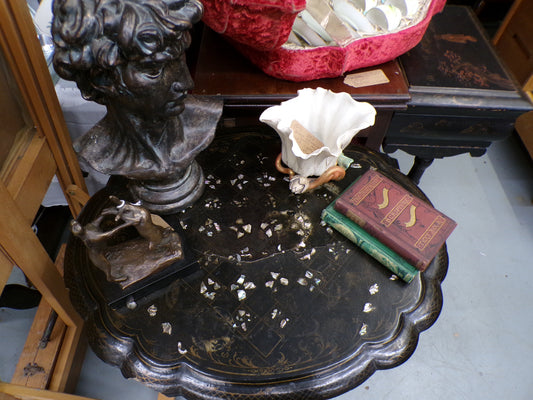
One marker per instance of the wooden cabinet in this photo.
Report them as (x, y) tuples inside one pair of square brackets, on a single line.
[(514, 43), (221, 71), (462, 96), (34, 146)]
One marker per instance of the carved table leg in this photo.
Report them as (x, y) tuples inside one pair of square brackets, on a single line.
[(418, 168)]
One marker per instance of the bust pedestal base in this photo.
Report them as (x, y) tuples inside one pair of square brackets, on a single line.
[(169, 197)]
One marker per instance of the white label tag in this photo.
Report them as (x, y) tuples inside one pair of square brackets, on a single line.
[(367, 78), (305, 139)]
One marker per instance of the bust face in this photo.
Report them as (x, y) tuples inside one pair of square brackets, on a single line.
[(155, 89), (143, 40)]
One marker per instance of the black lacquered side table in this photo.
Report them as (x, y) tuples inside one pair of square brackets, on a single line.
[(462, 96), (274, 305)]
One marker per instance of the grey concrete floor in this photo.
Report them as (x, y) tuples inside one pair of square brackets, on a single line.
[(481, 346)]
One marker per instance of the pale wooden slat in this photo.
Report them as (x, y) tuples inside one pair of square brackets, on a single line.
[(69, 361), (78, 194), (524, 127), (43, 359), (24, 393), (528, 86), (60, 360), (4, 396), (6, 265), (18, 240)]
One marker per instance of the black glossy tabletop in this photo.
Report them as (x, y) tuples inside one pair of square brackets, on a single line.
[(274, 304)]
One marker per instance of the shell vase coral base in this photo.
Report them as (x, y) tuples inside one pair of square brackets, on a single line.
[(314, 128), (302, 40)]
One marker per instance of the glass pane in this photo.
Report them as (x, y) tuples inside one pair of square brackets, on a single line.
[(16, 128)]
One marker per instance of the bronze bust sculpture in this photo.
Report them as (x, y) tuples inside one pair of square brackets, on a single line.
[(129, 55)]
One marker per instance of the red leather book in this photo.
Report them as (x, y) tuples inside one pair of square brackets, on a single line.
[(412, 228)]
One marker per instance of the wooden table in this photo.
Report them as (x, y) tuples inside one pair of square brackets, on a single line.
[(449, 95), (273, 305), (222, 71)]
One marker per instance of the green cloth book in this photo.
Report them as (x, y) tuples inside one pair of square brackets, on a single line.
[(396, 264)]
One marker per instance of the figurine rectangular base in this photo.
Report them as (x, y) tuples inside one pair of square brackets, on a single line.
[(117, 297)]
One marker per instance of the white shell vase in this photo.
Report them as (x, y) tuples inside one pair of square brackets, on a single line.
[(331, 119)]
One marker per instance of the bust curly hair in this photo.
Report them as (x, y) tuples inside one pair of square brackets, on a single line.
[(94, 38)]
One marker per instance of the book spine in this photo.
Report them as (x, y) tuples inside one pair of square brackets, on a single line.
[(369, 244), (373, 230)]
